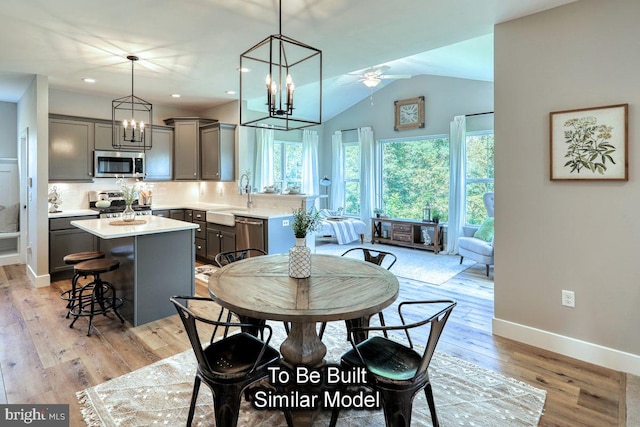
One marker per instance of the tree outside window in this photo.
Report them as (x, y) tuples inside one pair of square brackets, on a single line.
[(479, 175), (287, 164), (351, 167), (415, 173)]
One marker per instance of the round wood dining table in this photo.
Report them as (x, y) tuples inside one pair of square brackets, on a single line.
[(339, 288)]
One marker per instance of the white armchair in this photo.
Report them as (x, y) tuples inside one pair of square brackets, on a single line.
[(474, 248)]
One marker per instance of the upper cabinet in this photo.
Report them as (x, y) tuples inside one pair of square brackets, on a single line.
[(159, 159), (186, 149), (217, 152), (71, 145)]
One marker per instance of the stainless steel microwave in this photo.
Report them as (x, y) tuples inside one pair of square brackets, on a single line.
[(112, 164)]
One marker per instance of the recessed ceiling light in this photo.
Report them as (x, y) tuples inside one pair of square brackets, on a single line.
[(244, 70), (175, 95), (89, 80), (230, 92)]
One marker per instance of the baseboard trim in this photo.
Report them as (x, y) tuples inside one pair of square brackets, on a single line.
[(38, 281), (571, 347)]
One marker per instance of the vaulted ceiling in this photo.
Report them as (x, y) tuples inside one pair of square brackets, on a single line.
[(192, 47)]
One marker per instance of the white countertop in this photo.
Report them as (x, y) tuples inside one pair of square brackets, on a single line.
[(73, 212), (154, 224)]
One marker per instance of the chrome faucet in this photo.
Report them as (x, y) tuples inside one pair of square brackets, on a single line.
[(246, 188)]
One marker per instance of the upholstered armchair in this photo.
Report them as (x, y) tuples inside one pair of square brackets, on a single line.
[(477, 243)]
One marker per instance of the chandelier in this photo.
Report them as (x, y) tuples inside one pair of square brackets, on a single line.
[(131, 119), (267, 89)]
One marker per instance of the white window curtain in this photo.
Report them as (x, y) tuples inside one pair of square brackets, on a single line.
[(310, 178), (337, 174), (457, 205), (264, 158), (367, 167)]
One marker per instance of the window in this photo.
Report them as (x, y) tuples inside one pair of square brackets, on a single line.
[(287, 164), (351, 167), (414, 173), (479, 179)]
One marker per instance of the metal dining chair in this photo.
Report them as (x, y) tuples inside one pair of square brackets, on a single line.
[(399, 370), (373, 256), (228, 365)]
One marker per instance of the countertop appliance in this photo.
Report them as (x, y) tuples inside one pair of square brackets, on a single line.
[(117, 204), (118, 164)]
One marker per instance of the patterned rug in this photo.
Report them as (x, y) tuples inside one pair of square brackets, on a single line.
[(159, 394), (203, 272)]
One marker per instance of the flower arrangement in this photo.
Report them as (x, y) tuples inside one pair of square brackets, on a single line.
[(129, 192), (305, 221)]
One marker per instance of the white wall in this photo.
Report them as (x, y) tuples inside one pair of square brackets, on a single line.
[(8, 130), (33, 115), (579, 236), (445, 97)]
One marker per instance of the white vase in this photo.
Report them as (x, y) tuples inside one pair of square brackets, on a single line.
[(300, 260)]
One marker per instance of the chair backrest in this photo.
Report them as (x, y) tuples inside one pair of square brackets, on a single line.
[(436, 324), (224, 258), (374, 256), (189, 321), (488, 203)]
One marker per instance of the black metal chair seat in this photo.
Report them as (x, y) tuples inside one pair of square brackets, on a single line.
[(395, 369), (236, 354), (72, 259), (227, 366), (385, 358)]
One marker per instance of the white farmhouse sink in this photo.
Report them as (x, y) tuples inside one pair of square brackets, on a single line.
[(221, 218)]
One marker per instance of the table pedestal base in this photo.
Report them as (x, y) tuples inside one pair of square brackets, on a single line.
[(303, 346)]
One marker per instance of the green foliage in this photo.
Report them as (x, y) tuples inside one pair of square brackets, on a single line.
[(587, 145), (305, 221), (416, 173)]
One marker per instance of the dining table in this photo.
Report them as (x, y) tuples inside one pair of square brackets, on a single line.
[(339, 288)]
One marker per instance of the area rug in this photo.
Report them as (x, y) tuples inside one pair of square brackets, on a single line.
[(159, 394), (416, 264), (204, 271)]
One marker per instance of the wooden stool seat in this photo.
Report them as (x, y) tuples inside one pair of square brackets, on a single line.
[(97, 266), (82, 256), (96, 297)]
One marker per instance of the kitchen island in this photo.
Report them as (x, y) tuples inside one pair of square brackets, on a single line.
[(156, 262)]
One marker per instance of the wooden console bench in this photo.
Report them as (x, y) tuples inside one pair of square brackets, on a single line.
[(407, 232)]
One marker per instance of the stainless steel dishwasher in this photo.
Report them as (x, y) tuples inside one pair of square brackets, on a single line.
[(250, 233)]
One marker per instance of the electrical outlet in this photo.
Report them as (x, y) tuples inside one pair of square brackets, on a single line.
[(568, 298), (285, 222)]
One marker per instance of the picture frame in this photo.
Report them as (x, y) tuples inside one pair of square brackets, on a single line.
[(409, 113), (589, 144)]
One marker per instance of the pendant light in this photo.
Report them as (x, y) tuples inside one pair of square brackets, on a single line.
[(281, 83), (131, 119)]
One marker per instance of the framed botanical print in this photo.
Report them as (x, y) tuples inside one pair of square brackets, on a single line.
[(590, 144), (409, 113)]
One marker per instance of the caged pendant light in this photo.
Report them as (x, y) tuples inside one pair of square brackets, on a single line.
[(131, 118), (268, 94)]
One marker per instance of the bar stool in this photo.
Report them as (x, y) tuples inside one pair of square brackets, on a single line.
[(98, 296), (73, 259)]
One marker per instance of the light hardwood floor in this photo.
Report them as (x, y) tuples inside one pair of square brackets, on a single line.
[(42, 360)]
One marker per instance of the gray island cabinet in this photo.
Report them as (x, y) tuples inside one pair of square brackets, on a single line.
[(157, 261)]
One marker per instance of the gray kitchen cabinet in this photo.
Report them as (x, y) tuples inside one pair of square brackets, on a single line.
[(220, 238), (186, 149), (177, 214), (65, 239), (71, 145), (164, 213), (217, 152), (159, 159)]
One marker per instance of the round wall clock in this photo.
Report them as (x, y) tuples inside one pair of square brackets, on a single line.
[(409, 113)]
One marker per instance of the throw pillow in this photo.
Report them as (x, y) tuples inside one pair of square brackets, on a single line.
[(9, 219), (485, 232)]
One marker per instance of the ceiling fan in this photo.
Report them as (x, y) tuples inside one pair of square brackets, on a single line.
[(371, 77)]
